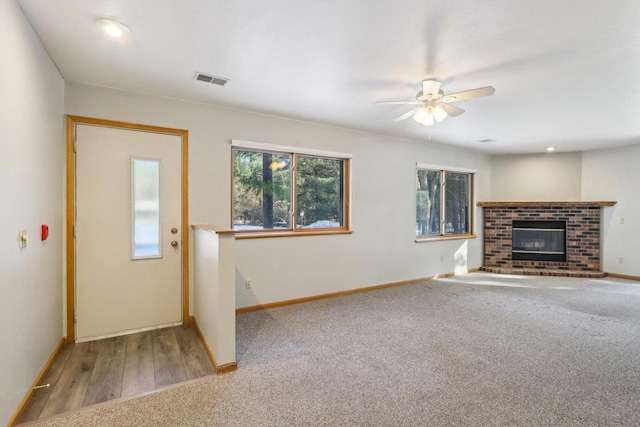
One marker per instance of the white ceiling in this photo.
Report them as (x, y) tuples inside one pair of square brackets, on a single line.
[(566, 73)]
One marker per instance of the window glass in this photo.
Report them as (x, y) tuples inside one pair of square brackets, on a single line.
[(261, 190), (443, 201), (428, 202), (457, 203), (319, 192), (146, 208), (288, 191)]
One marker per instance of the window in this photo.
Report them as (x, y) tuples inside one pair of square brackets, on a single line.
[(145, 204), (443, 202), (277, 191)]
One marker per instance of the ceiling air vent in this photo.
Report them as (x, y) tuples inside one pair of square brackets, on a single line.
[(220, 81)]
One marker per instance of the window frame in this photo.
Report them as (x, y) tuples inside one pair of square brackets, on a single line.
[(442, 170), (294, 152)]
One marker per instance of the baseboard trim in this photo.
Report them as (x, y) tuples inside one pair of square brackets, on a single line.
[(227, 367), (23, 404), (220, 369), (276, 304), (623, 276)]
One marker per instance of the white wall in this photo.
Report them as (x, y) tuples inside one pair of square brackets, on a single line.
[(613, 174), (532, 177), (214, 292), (381, 249), (31, 175)]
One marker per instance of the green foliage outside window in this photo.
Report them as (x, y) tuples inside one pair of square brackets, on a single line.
[(428, 202), (457, 199), (319, 193), (263, 196), (443, 200), (261, 189)]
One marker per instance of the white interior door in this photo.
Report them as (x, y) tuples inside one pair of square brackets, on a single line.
[(128, 236)]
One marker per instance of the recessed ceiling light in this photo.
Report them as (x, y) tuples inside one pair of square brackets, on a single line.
[(551, 149), (113, 28)]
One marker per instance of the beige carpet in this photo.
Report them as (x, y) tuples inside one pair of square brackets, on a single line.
[(478, 350)]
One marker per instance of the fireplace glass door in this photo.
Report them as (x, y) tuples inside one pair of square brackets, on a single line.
[(539, 241)]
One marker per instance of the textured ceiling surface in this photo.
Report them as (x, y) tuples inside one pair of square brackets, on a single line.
[(566, 73)]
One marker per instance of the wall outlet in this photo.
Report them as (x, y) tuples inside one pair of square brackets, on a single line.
[(248, 283), (620, 260), (621, 220)]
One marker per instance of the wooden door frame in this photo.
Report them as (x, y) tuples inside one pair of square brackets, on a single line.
[(72, 121)]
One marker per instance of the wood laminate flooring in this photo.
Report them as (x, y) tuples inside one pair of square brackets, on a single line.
[(91, 372)]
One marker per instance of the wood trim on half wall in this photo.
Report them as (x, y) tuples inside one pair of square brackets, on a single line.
[(72, 121), (220, 369)]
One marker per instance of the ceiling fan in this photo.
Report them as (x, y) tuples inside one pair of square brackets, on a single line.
[(434, 104)]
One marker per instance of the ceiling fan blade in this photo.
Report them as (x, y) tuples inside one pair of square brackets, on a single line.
[(407, 115), (451, 110), (430, 87), (468, 94), (399, 102)]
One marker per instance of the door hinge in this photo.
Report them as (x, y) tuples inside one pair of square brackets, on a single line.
[(75, 144)]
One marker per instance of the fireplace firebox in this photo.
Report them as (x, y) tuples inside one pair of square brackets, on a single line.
[(539, 241)]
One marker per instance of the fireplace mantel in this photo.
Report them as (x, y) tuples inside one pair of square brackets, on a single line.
[(547, 204)]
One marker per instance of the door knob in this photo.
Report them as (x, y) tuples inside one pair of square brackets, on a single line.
[(174, 243), (174, 230)]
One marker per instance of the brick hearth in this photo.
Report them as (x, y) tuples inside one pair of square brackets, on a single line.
[(583, 237)]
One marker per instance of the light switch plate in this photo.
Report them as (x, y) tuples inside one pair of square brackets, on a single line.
[(22, 237)]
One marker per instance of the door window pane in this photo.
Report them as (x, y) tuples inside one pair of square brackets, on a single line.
[(428, 190), (319, 192), (146, 208)]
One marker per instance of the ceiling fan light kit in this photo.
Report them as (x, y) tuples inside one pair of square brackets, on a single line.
[(434, 107), (430, 114)]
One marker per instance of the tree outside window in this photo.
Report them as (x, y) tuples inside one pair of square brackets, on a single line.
[(443, 200), (261, 190), (320, 192), (264, 198)]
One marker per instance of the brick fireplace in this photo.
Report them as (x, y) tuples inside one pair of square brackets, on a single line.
[(581, 241)]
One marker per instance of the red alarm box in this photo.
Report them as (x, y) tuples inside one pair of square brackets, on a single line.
[(45, 231)]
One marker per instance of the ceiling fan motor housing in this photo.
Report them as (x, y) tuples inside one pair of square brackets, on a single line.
[(420, 96)]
